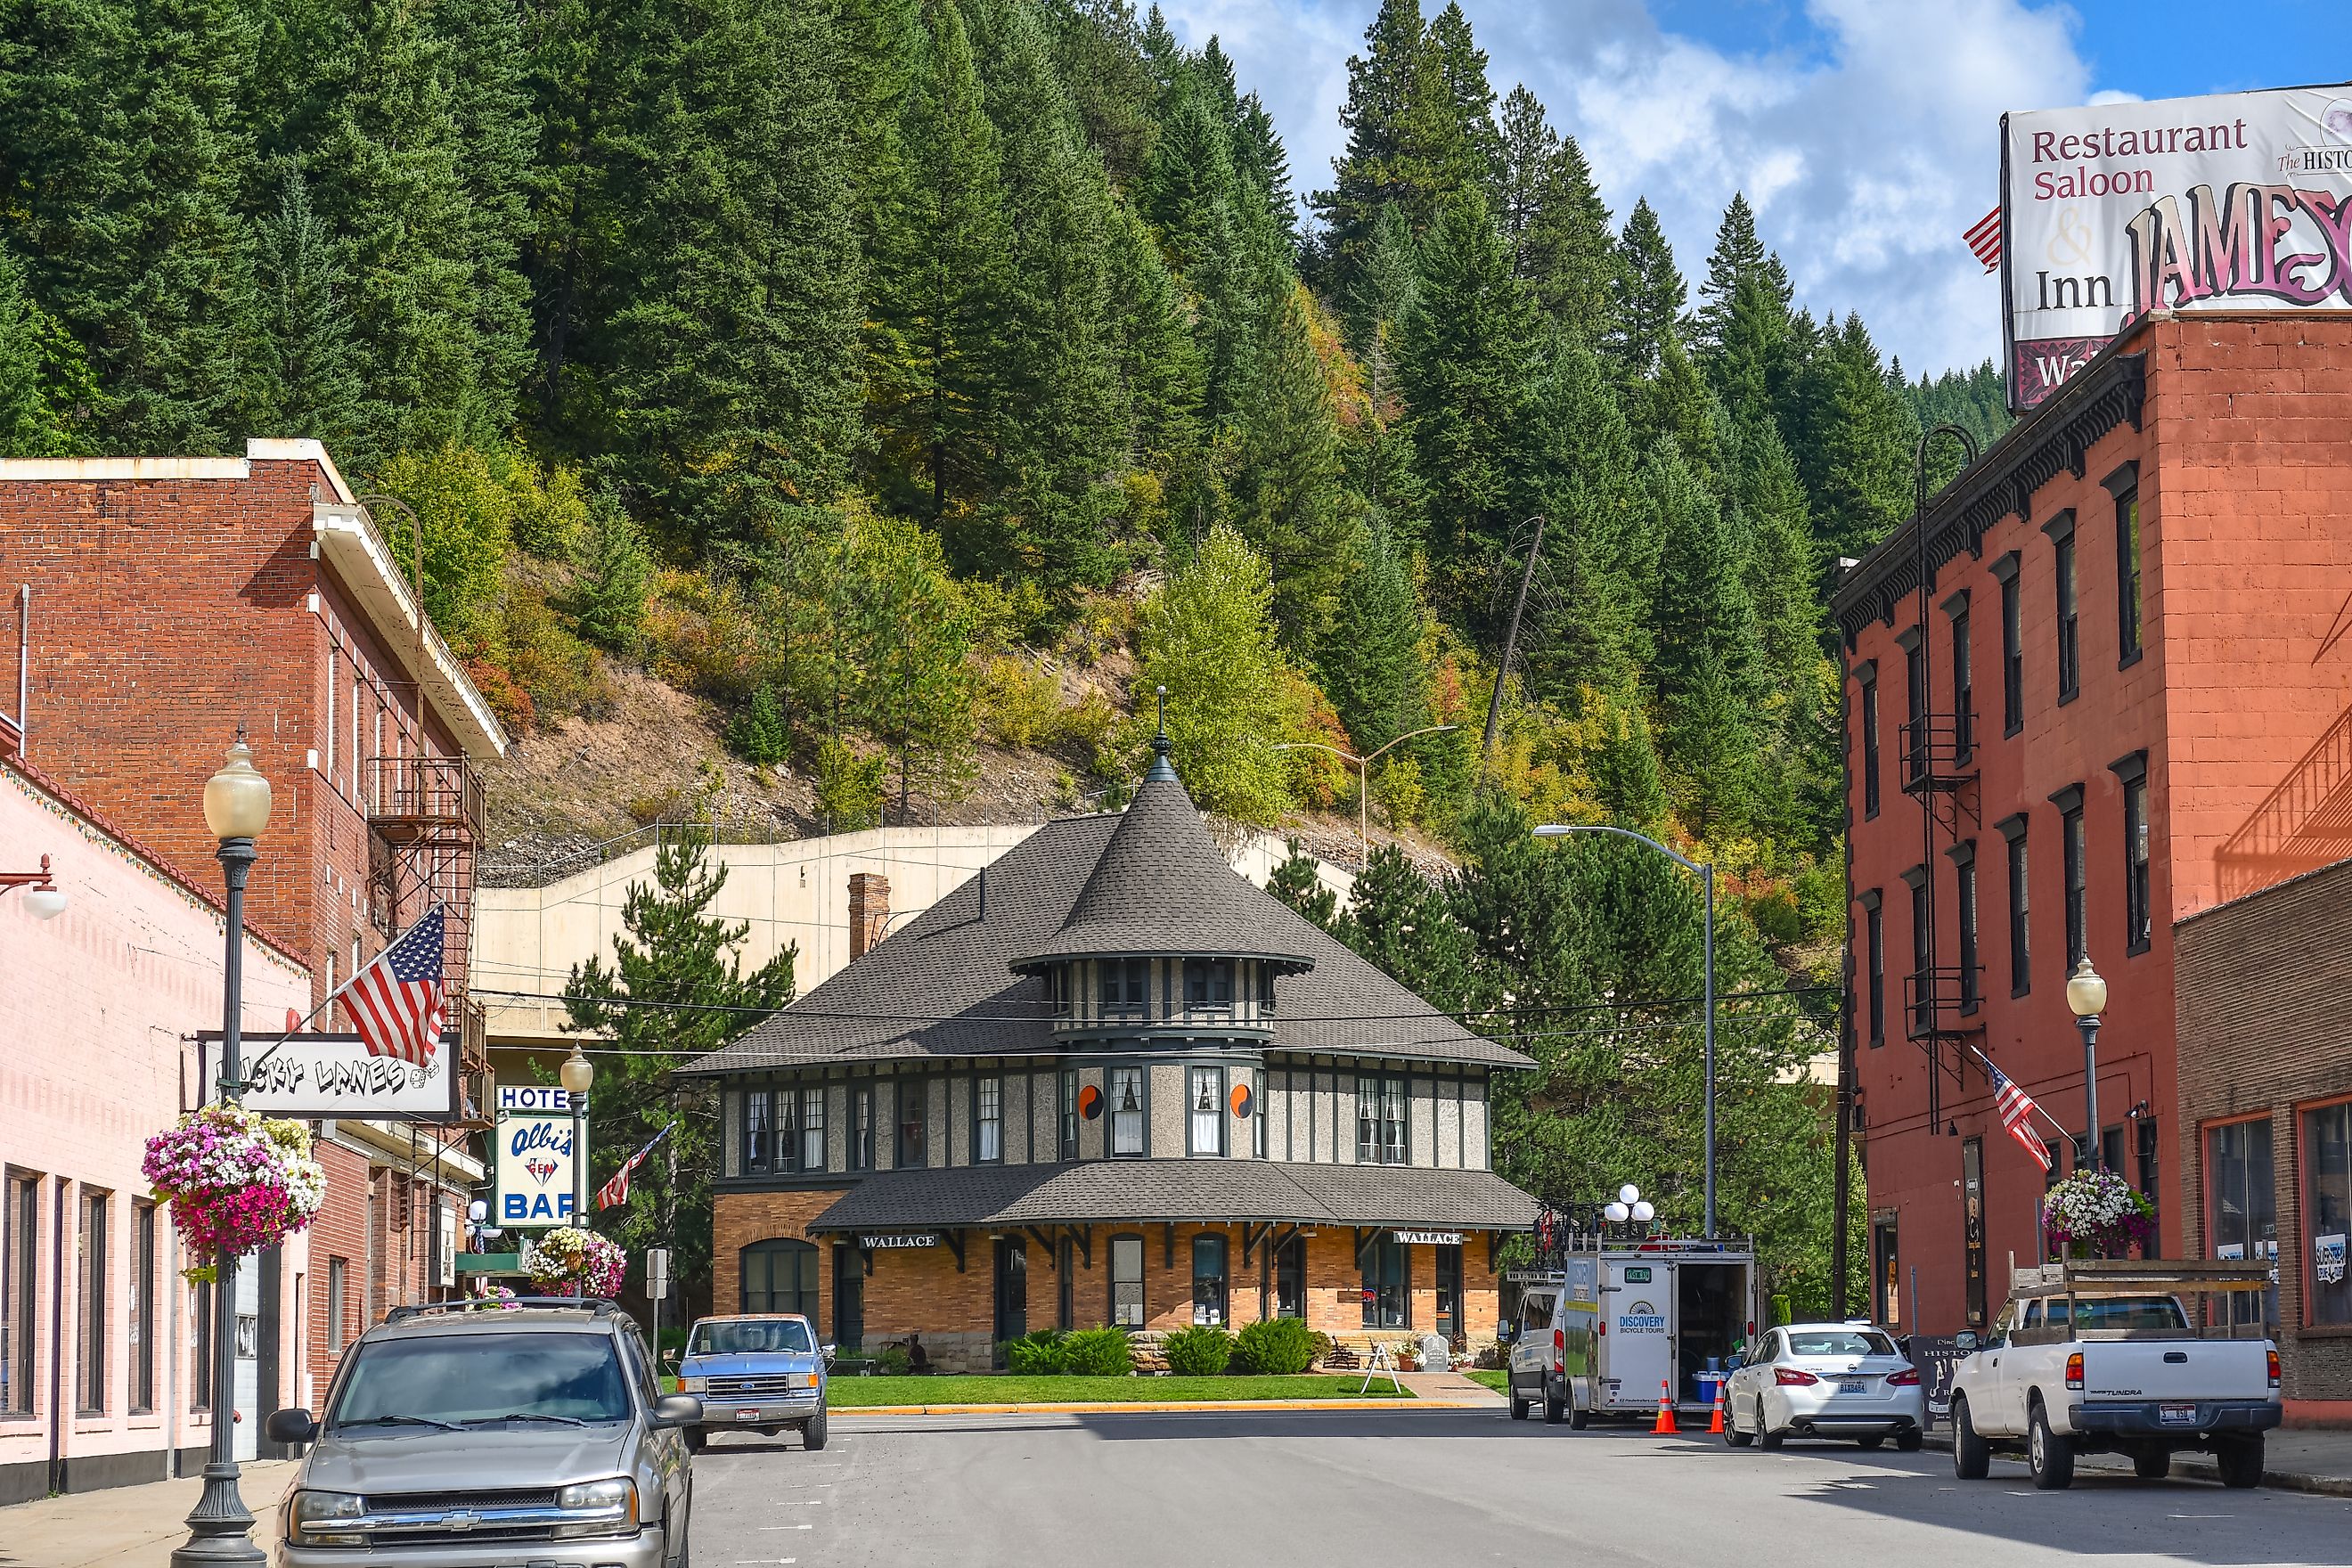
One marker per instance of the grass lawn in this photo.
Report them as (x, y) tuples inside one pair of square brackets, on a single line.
[(1497, 1379), (849, 1393)]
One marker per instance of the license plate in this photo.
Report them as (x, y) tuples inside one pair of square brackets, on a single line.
[(1853, 1386), (747, 1415), (2177, 1415)]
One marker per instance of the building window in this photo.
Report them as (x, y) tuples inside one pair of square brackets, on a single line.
[(1126, 984), (1205, 1121), (758, 1132), (1255, 1078), (1126, 1281), (1379, 1121), (20, 1268), (89, 1341), (1208, 983), (1916, 705), (1388, 1294), (781, 1277), (2137, 916), (2078, 940), (788, 1131), (1965, 867), (1922, 990), (988, 1121), (338, 1288), (2020, 933), (2328, 1210), (2241, 1204), (1874, 921), (2069, 631), (2127, 615), (1964, 694), (1127, 1103), (1066, 1111), (1209, 1279), (2012, 654), (1290, 1279), (861, 1128), (914, 1133), (143, 1321), (1869, 741), (812, 1152)]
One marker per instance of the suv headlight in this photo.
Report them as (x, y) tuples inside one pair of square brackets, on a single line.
[(693, 1384), (311, 1518), (606, 1508)]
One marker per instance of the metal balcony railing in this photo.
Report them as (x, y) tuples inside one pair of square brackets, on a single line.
[(427, 797), (1942, 1002)]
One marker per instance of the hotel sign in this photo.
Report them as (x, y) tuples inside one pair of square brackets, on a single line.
[(1429, 1238), (907, 1238)]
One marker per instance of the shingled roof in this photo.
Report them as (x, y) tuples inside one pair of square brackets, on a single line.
[(944, 986), (1210, 1190)]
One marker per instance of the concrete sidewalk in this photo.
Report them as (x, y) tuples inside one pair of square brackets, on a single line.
[(130, 1526), (1429, 1391), (2295, 1458)]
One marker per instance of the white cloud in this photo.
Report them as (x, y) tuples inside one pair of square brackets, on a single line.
[(1866, 157)]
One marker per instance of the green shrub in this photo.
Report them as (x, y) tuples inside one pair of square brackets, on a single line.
[(1199, 1350), (1275, 1347), (1096, 1353), (848, 787), (757, 732), (1036, 1354), (615, 578), (893, 1361), (1018, 703)]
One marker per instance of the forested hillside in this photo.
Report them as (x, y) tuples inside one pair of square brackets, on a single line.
[(870, 366)]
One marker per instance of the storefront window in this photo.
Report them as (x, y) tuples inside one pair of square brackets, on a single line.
[(1386, 1293), (2241, 1205), (1209, 1279), (2327, 1209), (1126, 1111), (1126, 1281)]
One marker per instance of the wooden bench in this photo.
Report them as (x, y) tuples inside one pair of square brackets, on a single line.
[(1339, 1358)]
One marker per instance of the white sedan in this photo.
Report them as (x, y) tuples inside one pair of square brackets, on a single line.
[(1825, 1380)]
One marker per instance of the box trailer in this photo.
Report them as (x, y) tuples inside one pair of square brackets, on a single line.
[(1627, 1320)]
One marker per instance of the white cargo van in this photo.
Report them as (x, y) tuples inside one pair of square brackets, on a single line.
[(1608, 1328)]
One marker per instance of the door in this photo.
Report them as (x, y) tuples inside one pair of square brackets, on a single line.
[(1012, 1289), (1531, 1345), (1972, 1229), (246, 1387), (266, 1359), (849, 1299), (2009, 1366), (1065, 1299), (1639, 1345), (1449, 1292)]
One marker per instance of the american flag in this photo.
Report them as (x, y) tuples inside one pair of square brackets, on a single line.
[(615, 1192), (395, 1001), (1984, 238), (2016, 1107)]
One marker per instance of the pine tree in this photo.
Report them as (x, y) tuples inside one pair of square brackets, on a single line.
[(1737, 254), (1159, 363), (1766, 512), (1208, 637), (1854, 441), (1474, 143), (1398, 919), (1530, 148), (1299, 882), (1647, 295), (674, 990), (1368, 176), (1707, 659), (913, 634), (1098, 48), (1284, 483), (615, 578), (1595, 631), (1568, 255), (47, 396), (1622, 764), (307, 380), (1369, 658)]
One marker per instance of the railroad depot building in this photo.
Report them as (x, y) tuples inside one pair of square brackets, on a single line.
[(1112, 1081), (2117, 695)]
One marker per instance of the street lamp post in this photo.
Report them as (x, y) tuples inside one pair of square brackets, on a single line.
[(2087, 993), (1363, 776), (236, 808), (578, 1073), (1706, 878)]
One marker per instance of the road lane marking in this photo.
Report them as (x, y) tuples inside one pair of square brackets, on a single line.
[(768, 1527)]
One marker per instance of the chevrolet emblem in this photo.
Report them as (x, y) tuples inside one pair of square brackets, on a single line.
[(460, 1522)]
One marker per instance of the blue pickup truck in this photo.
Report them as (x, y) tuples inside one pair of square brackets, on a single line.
[(758, 1373)]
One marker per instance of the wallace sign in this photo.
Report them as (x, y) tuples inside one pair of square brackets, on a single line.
[(2229, 203)]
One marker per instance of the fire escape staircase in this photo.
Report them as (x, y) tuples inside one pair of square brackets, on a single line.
[(424, 832), (1940, 1001)]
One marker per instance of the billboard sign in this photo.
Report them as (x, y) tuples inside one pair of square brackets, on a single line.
[(533, 1167), (308, 1076), (2234, 202)]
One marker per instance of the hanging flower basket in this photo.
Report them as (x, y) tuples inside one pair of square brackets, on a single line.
[(2092, 1214), (237, 1182), (568, 1259)]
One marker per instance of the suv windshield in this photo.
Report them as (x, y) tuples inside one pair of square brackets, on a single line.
[(1838, 1341), (750, 1337), (458, 1378), (2158, 1312)]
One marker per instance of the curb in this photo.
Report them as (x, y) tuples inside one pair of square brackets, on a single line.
[(1159, 1406), (2200, 1469)]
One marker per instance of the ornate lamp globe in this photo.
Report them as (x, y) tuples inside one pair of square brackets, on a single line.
[(2087, 993), (237, 799)]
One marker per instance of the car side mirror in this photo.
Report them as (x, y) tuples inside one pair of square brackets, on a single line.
[(673, 1410), (1966, 1342), (670, 1357), (827, 1350), (290, 1427)]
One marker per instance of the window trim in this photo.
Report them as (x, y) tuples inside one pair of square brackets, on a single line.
[(2073, 858), (144, 1301), (1193, 1072), (1224, 1248), (1866, 675), (20, 1276), (1142, 1113), (780, 1246), (94, 1279), (2019, 883), (815, 1127), (763, 1164), (980, 1083), (1384, 1245), (2306, 1245), (922, 1123), (1067, 1119), (1402, 1082), (2012, 643), (2139, 875), (1143, 1280), (2205, 1212), (1875, 961), (2067, 599), (1963, 857), (859, 1139), (2131, 565)]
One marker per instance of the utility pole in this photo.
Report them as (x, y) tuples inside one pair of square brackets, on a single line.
[(1511, 642)]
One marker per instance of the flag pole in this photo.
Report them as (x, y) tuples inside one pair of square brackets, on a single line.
[(321, 1007), (2057, 1126)]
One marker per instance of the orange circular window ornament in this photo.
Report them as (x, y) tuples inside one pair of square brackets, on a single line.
[(1241, 1099), (1090, 1103)]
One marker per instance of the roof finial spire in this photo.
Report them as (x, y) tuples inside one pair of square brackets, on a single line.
[(1162, 768)]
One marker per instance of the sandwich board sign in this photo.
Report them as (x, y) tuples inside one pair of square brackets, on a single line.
[(535, 1154)]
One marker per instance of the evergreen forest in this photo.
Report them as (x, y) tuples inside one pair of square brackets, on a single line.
[(858, 364)]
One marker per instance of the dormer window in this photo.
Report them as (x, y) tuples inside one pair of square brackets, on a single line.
[(1126, 984), (1208, 983)]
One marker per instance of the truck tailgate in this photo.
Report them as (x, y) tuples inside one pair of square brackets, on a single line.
[(2176, 1369)]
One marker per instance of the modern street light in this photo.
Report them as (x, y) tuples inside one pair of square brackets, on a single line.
[(2087, 993), (1707, 877), (236, 808), (44, 901), (1363, 776), (577, 1074)]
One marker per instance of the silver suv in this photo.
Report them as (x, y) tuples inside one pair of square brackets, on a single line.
[(470, 1433)]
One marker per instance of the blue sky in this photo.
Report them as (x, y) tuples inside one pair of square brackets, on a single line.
[(1864, 131)]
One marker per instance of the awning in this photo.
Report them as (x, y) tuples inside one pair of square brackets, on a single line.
[(1104, 1191)]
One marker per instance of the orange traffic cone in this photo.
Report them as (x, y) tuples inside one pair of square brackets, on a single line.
[(1715, 1429), (1665, 1409)]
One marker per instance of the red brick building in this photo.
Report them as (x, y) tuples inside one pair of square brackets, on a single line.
[(174, 600), (2087, 724)]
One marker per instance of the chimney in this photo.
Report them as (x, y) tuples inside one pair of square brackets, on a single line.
[(869, 911)]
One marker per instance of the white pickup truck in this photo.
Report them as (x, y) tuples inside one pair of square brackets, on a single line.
[(2104, 1357)]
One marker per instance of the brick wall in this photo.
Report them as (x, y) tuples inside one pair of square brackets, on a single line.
[(2264, 1035)]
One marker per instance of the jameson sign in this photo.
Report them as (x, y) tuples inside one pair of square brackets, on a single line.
[(2237, 202)]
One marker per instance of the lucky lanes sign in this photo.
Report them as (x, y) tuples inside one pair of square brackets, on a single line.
[(330, 1075)]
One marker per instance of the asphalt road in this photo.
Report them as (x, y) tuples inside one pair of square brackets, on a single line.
[(1376, 1490)]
